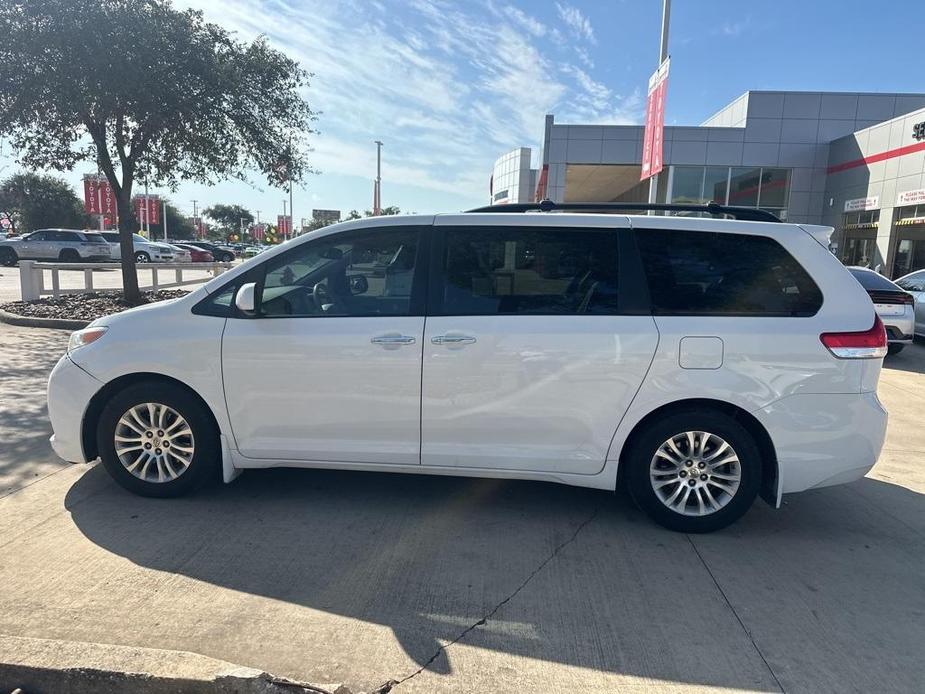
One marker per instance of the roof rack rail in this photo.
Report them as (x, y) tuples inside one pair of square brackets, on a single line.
[(748, 214)]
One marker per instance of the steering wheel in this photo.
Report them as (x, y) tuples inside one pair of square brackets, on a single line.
[(321, 295)]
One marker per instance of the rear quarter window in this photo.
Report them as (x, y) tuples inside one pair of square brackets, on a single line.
[(712, 273)]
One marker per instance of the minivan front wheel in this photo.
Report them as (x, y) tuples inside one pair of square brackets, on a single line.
[(142, 257), (156, 439), (694, 471)]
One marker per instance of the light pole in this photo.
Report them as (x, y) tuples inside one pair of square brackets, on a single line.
[(164, 216), (196, 223), (662, 55), (285, 223), (377, 192)]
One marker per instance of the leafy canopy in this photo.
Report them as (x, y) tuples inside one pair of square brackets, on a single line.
[(160, 92), (32, 201), (228, 217)]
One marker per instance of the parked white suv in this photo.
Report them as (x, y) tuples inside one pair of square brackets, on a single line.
[(146, 251), (63, 245), (699, 360)]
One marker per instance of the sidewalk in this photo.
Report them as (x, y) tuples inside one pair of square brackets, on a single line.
[(451, 585)]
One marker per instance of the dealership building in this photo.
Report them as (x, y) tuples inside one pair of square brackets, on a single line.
[(853, 161)]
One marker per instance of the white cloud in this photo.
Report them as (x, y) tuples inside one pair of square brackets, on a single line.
[(525, 21), (432, 82), (734, 28), (584, 57), (576, 21)]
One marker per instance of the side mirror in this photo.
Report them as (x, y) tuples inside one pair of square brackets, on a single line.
[(246, 299), (358, 284)]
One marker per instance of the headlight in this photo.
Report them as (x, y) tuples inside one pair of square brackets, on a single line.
[(80, 338)]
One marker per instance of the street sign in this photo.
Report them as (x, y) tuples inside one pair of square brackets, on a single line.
[(652, 142)]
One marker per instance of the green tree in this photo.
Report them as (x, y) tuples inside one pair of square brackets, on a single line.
[(228, 218), (33, 201), (147, 92)]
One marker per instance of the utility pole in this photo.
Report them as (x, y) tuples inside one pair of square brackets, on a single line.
[(196, 220), (147, 220), (377, 190), (662, 55)]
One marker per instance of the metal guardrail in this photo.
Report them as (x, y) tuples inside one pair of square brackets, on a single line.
[(32, 276)]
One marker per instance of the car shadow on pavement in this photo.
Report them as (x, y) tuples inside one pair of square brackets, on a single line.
[(557, 573)]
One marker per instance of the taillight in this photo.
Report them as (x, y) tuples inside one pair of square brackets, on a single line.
[(869, 344)]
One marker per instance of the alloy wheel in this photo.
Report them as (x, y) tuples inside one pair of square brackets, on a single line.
[(154, 442), (695, 473)]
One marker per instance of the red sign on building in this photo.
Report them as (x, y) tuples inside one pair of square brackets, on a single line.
[(652, 140)]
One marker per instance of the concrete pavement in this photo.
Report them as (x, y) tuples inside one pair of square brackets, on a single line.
[(450, 585)]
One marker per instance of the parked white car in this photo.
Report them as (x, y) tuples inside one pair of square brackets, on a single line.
[(701, 361), (146, 251)]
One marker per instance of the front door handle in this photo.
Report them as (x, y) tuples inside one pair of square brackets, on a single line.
[(452, 339), (393, 340)]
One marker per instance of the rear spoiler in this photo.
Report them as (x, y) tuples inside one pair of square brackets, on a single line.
[(822, 234)]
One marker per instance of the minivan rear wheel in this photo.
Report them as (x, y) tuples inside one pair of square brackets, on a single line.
[(694, 471), (157, 439)]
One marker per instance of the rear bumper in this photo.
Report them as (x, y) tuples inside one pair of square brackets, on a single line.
[(824, 439), (899, 328), (70, 390)]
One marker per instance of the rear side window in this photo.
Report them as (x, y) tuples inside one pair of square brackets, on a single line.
[(529, 271), (94, 238), (702, 273)]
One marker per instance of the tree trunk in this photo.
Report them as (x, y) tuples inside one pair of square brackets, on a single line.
[(128, 225)]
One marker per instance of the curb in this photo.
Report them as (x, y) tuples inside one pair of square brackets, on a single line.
[(40, 666), (33, 322)]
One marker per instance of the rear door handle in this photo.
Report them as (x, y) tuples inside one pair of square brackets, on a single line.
[(452, 339)]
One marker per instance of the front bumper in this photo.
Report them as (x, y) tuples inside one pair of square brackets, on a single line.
[(70, 390), (824, 439)]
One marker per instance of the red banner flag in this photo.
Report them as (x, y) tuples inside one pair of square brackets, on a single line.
[(91, 199), (147, 209), (655, 122), (284, 224)]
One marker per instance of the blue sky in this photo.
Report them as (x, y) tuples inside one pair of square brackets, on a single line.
[(449, 86)]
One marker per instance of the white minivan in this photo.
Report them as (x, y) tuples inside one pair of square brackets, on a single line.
[(699, 361)]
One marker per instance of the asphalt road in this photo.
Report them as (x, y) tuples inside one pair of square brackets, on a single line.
[(475, 585)]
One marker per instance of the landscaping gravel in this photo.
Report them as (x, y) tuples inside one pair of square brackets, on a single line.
[(83, 306)]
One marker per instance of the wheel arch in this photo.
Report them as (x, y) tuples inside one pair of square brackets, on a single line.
[(103, 395), (769, 468)]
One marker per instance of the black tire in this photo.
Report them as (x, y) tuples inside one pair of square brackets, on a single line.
[(69, 255), (205, 464), (142, 257), (227, 257), (650, 439), (8, 257), (894, 349)]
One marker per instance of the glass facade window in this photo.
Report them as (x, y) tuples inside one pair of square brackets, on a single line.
[(743, 186), (687, 184), (715, 184), (767, 188), (775, 184)]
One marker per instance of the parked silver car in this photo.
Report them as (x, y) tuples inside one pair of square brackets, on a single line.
[(914, 283), (146, 251), (64, 245)]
